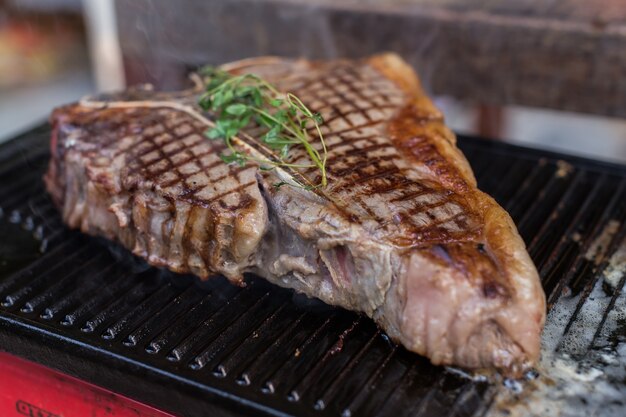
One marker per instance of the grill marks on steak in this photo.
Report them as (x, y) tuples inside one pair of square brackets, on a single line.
[(366, 170), (168, 183), (401, 233)]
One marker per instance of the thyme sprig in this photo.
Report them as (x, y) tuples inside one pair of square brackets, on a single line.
[(240, 101)]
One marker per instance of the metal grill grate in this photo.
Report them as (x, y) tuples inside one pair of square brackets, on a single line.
[(86, 308)]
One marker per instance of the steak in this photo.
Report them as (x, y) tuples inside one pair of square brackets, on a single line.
[(401, 232)]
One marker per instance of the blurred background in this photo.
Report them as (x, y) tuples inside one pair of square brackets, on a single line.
[(544, 74)]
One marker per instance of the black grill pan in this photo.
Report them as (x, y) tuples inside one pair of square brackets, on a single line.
[(85, 307)]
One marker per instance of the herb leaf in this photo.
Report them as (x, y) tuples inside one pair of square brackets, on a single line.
[(239, 101), (236, 109), (234, 157)]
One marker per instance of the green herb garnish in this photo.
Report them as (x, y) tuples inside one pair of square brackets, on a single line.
[(240, 101)]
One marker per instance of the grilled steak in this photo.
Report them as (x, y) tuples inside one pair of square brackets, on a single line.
[(401, 233)]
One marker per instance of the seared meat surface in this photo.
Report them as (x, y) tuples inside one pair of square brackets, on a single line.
[(401, 233)]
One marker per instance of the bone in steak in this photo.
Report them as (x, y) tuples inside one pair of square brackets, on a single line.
[(401, 233)]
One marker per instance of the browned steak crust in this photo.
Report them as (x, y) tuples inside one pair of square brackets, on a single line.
[(401, 233)]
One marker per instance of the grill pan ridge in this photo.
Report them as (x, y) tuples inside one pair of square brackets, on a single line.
[(87, 308)]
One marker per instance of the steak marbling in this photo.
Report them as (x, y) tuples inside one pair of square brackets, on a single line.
[(401, 233)]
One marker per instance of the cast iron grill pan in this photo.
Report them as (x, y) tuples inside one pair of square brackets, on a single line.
[(86, 307)]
